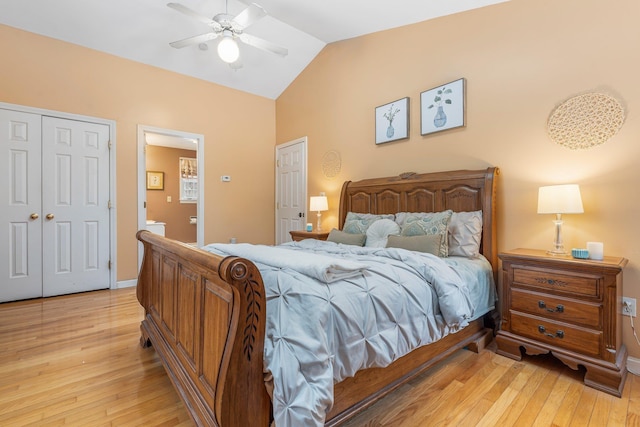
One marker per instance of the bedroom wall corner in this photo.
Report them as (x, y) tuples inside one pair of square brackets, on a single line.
[(517, 71), (83, 81)]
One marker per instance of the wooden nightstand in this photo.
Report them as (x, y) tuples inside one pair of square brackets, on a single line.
[(568, 307), (298, 235)]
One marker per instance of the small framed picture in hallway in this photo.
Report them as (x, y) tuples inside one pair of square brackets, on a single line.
[(155, 180)]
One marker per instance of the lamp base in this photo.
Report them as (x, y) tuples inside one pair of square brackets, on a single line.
[(557, 252), (558, 244)]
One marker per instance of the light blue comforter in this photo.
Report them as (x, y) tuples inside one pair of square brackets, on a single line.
[(318, 333)]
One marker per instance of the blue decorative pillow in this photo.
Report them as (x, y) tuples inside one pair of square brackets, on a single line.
[(358, 223), (418, 224)]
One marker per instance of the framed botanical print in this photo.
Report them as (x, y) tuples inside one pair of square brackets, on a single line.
[(392, 121), (442, 107), (155, 180)]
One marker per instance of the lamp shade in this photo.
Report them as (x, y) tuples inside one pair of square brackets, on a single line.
[(318, 203), (560, 199)]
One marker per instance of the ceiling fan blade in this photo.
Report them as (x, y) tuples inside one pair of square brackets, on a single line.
[(263, 44), (250, 15), (202, 38), (183, 9)]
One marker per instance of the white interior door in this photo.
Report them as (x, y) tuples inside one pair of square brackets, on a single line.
[(291, 188), (75, 206), (20, 209)]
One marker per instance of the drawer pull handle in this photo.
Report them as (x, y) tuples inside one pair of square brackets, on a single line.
[(559, 333), (559, 308)]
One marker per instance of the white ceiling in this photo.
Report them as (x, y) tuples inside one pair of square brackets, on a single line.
[(170, 141), (141, 30)]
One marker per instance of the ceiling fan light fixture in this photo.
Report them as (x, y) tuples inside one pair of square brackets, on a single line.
[(228, 49)]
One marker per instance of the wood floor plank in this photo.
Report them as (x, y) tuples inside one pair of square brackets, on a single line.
[(569, 404), (475, 388), (484, 405), (633, 416), (585, 406), (619, 408), (552, 404), (76, 361), (523, 398), (601, 410)]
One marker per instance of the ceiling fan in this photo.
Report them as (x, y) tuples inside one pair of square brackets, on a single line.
[(230, 28)]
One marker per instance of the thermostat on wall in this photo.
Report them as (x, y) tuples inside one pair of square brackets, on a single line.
[(225, 178)]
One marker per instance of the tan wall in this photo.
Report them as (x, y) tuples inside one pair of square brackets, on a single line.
[(239, 129), (520, 59), (174, 214)]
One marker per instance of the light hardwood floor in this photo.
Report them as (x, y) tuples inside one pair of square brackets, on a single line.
[(76, 361)]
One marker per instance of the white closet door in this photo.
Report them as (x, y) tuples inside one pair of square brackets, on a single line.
[(75, 211), (20, 202)]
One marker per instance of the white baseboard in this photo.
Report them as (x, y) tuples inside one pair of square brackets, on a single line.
[(633, 366), (126, 283)]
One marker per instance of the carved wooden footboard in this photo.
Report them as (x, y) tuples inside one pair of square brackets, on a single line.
[(205, 316)]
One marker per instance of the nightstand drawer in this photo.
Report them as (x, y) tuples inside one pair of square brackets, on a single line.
[(584, 341), (557, 308), (557, 281)]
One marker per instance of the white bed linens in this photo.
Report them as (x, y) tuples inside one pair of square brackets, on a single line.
[(319, 333)]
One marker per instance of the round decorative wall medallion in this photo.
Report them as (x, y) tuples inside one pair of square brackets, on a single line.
[(585, 121), (331, 164)]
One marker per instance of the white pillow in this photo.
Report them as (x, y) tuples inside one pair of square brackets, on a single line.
[(379, 231), (465, 233)]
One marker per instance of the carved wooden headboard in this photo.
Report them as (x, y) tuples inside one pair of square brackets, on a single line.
[(460, 191)]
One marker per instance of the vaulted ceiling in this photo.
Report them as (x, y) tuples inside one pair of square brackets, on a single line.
[(141, 30)]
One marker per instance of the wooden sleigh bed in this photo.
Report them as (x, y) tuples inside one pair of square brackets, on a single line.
[(205, 315)]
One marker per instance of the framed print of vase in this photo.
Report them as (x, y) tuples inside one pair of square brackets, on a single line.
[(443, 107), (392, 121)]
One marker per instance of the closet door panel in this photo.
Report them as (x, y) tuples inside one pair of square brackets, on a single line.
[(75, 206), (20, 206)]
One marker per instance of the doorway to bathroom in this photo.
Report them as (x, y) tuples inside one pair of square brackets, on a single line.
[(171, 184)]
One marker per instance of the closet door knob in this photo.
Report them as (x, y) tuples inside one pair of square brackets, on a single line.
[(49, 216), (34, 216)]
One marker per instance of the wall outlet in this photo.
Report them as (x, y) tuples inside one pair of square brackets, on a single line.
[(629, 306)]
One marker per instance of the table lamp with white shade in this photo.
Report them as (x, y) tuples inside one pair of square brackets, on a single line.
[(318, 204), (558, 200)]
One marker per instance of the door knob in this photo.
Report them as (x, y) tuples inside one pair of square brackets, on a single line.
[(35, 216), (49, 216)]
